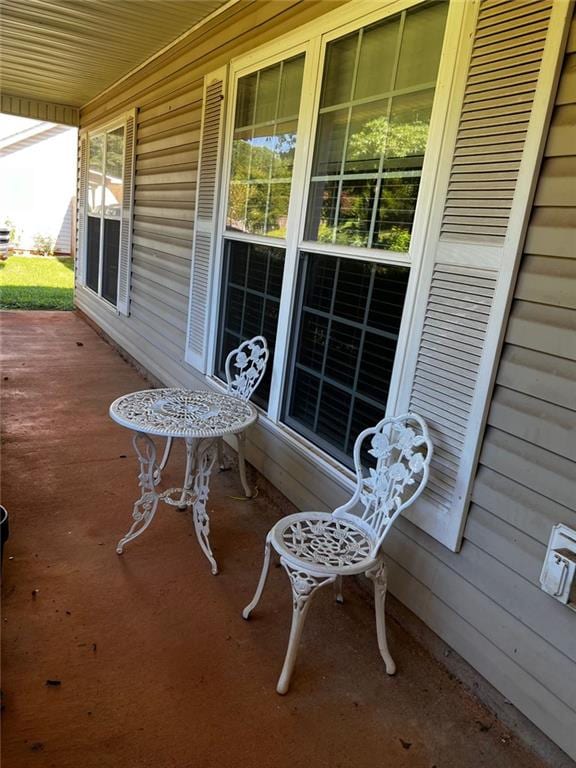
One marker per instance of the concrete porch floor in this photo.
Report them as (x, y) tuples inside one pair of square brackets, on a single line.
[(157, 667)]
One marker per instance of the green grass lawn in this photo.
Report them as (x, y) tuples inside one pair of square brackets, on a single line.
[(29, 282)]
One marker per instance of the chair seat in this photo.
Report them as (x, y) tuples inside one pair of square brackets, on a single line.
[(319, 542)]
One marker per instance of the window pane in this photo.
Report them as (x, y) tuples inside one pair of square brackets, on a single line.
[(368, 134), (371, 134), (339, 70), (267, 94), (114, 169), (251, 286), (331, 142), (290, 82), (263, 147), (342, 349), (95, 174), (376, 60), (92, 252), (423, 34), (110, 260), (245, 101), (356, 204)]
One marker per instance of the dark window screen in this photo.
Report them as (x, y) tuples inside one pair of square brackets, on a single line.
[(110, 259), (346, 329), (252, 281), (93, 252)]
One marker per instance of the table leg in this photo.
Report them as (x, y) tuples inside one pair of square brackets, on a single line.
[(191, 459), (205, 458), (148, 479)]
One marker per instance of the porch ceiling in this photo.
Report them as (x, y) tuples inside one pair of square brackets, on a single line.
[(68, 51)]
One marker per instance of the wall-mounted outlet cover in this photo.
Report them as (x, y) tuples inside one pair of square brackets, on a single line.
[(558, 577)]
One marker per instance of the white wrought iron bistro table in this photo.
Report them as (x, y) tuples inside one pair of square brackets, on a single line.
[(199, 418)]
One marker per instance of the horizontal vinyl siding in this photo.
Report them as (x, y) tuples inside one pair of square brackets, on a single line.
[(484, 601), (526, 481)]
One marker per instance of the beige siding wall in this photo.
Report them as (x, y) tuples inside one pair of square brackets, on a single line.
[(484, 601)]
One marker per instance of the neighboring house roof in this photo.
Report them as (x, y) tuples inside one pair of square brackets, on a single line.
[(29, 136)]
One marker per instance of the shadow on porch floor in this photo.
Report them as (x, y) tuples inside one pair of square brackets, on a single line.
[(157, 668)]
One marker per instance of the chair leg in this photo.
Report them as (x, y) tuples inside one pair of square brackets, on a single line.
[(261, 583), (304, 585), (338, 596), (242, 465), (378, 575)]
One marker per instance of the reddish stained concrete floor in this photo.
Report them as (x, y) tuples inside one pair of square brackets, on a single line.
[(157, 668)]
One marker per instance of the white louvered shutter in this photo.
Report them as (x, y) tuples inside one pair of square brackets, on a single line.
[(126, 223), (81, 211), (487, 191), (206, 218)]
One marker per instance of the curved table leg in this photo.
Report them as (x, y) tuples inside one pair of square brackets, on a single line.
[(148, 479), (165, 457), (205, 458)]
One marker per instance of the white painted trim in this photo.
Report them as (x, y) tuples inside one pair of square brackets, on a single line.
[(107, 124), (123, 304), (212, 227)]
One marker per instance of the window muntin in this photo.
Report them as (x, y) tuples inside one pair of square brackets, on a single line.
[(104, 208), (346, 329), (373, 121), (251, 286), (263, 145)]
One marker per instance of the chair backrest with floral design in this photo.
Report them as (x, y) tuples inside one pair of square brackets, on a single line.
[(399, 450), (245, 367)]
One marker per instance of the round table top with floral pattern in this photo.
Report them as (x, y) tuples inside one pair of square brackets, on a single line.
[(183, 413)]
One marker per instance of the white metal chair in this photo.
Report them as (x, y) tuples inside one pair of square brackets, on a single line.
[(318, 548), (245, 367)]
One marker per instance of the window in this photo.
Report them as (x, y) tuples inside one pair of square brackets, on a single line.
[(348, 315), (319, 261), (262, 162), (251, 299), (105, 200)]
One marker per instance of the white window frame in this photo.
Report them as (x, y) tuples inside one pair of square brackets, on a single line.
[(102, 128), (312, 39)]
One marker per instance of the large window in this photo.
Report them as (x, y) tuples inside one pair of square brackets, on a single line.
[(104, 208), (338, 235)]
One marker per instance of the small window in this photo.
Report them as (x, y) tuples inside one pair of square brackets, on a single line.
[(347, 321), (104, 209)]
